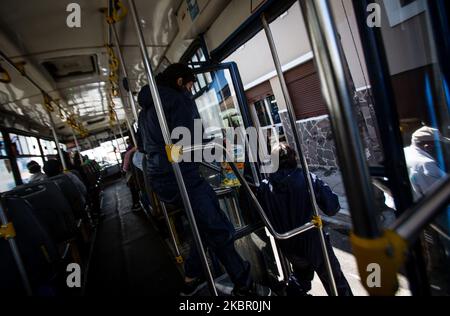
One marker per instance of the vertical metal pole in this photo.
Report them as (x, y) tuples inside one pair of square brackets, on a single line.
[(76, 141), (125, 72), (120, 128), (16, 255), (115, 151), (40, 149), (387, 117), (166, 134), (322, 33), (130, 128), (244, 108), (55, 136), (285, 266), (169, 227), (297, 138)]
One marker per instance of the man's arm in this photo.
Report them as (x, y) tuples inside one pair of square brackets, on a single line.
[(327, 200)]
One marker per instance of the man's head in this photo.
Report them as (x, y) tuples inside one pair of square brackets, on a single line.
[(52, 168), (33, 167), (426, 138), (287, 156), (177, 76)]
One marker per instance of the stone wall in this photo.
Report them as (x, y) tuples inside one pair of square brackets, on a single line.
[(317, 141), (317, 137)]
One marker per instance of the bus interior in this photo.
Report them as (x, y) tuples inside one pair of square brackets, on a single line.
[(350, 85)]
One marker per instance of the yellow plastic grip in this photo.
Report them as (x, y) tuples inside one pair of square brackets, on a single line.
[(383, 256), (6, 78), (317, 221), (7, 231), (174, 153), (119, 12)]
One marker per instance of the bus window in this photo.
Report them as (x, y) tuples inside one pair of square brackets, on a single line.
[(217, 103), (48, 147), (2, 146), (6, 176), (421, 96)]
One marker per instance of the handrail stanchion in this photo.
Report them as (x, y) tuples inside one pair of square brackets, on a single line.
[(55, 136), (415, 219), (170, 147), (124, 72), (370, 243), (117, 149), (75, 139), (130, 128), (120, 128), (297, 139), (10, 237), (178, 256)]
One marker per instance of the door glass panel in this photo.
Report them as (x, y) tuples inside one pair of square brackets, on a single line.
[(261, 112), (217, 105), (273, 105), (219, 109), (422, 101)]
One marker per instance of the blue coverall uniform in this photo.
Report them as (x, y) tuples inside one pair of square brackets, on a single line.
[(284, 197), (215, 228)]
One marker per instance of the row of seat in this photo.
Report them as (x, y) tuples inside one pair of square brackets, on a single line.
[(53, 223)]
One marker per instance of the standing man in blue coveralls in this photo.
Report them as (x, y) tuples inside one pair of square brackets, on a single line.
[(217, 232), (284, 197)]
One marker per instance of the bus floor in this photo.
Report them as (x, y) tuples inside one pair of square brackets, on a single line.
[(129, 257)]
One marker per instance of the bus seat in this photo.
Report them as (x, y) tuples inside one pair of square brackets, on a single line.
[(70, 191), (38, 251), (49, 206)]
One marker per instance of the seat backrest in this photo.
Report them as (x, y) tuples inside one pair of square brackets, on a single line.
[(36, 248), (72, 194), (49, 206)]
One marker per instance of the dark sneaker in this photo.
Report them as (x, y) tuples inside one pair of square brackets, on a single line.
[(191, 288), (294, 288), (252, 291)]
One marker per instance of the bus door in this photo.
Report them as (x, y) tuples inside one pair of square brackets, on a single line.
[(411, 103), (222, 105)]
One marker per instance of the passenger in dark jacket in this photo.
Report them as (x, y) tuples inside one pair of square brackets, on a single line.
[(217, 231), (285, 199)]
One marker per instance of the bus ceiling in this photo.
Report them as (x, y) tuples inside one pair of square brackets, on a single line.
[(71, 64)]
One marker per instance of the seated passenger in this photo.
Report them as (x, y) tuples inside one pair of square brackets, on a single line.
[(78, 167), (36, 174), (217, 232), (284, 197), (52, 168)]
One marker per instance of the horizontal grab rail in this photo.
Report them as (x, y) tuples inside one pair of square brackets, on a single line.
[(279, 236), (409, 225)]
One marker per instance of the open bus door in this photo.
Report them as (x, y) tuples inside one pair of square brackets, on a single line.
[(222, 105)]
